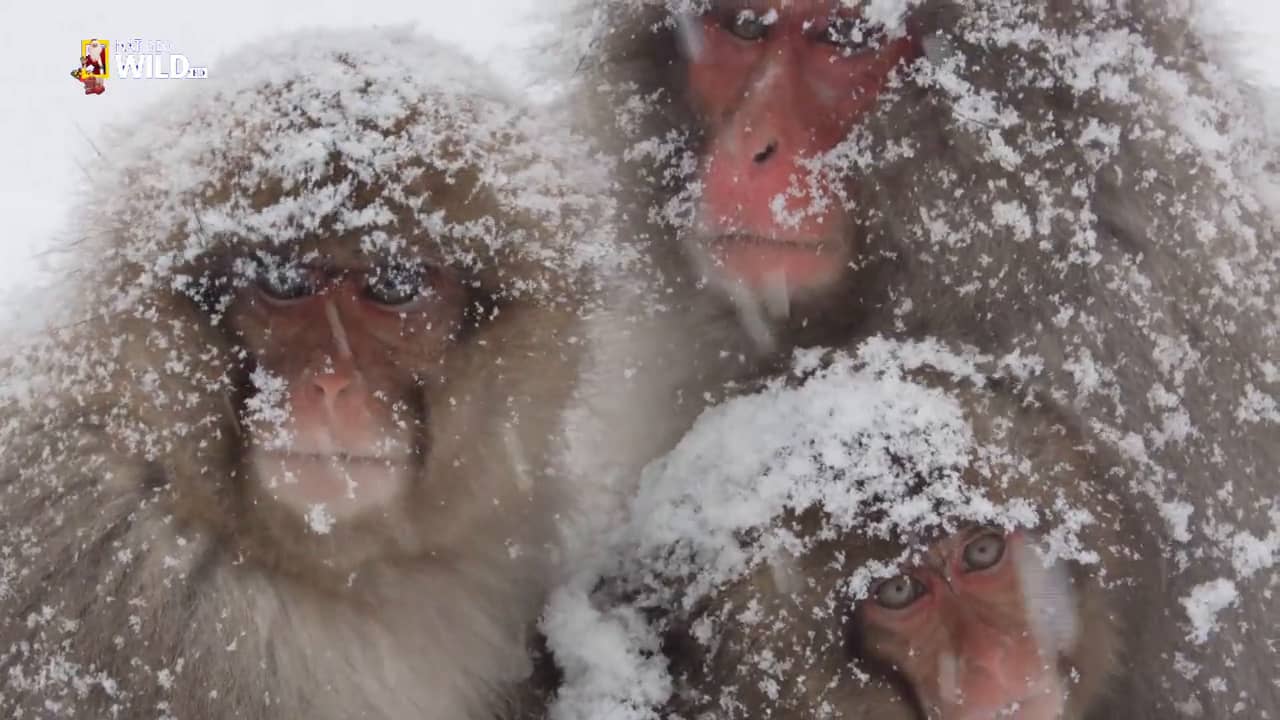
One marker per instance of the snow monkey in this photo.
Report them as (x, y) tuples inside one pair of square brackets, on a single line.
[(290, 453), (972, 620), (1075, 189)]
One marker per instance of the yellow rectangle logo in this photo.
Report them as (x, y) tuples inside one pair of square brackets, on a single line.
[(94, 58)]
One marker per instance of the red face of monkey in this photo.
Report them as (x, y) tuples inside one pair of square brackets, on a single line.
[(339, 356), (981, 629), (777, 85)]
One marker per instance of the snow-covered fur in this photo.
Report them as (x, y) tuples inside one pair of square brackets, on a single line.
[(745, 549), (138, 577), (1078, 190)]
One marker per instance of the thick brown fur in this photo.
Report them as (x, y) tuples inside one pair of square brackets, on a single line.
[(140, 577), (1107, 299)]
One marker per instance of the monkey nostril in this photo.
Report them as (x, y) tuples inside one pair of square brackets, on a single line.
[(766, 153), (331, 385)]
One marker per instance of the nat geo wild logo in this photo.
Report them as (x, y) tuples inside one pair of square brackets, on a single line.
[(134, 59)]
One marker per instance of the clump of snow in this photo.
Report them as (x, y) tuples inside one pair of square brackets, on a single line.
[(319, 520), (848, 438), (611, 658), (1205, 603)]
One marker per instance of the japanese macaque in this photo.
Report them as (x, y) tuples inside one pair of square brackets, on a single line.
[(291, 451), (1030, 179), (973, 619), (982, 627)]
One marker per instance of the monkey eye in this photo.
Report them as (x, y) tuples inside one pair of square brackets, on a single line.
[(899, 592), (283, 280), (396, 286), (984, 551), (747, 25)]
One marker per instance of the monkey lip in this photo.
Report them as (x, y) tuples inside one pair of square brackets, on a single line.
[(346, 483), (1041, 704), (340, 457), (760, 261)]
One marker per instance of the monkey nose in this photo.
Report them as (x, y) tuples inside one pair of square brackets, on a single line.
[(762, 156), (331, 384)]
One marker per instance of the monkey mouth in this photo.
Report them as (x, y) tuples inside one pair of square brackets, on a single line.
[(761, 262), (345, 483), (341, 457)]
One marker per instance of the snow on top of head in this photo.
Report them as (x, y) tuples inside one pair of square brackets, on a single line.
[(362, 134), (850, 437)]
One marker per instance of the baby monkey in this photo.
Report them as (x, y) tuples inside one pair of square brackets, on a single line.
[(1016, 604)]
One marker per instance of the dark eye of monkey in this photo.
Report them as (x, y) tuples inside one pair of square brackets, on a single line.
[(746, 25), (898, 592), (397, 285), (984, 551), (281, 279)]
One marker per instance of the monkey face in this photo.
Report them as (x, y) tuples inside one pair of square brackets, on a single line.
[(776, 87), (983, 628), (338, 357)]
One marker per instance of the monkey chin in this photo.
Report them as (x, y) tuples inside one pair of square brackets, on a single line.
[(765, 265), (344, 486)]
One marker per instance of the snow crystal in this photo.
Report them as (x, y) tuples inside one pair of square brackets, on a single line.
[(1205, 603), (319, 520)]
